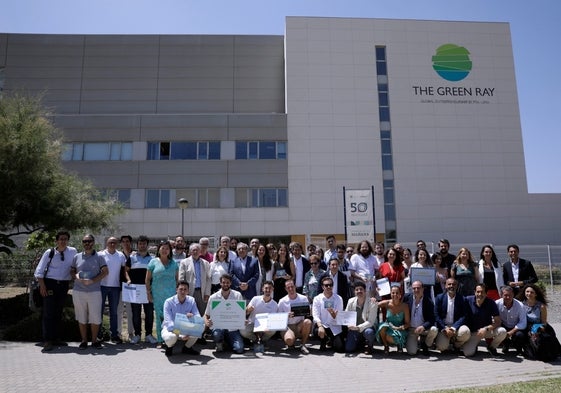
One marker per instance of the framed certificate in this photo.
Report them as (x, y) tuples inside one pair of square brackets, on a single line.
[(346, 318), (270, 322), (194, 326), (227, 314), (383, 285), (426, 275), (300, 309), (134, 293)]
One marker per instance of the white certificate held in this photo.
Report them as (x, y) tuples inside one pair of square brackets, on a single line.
[(193, 326), (346, 318), (270, 322), (134, 293), (227, 314), (383, 285), (425, 275)]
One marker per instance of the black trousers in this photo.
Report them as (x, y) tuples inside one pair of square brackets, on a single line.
[(53, 304)]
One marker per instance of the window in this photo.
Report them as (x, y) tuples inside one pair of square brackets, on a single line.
[(123, 196), (97, 151), (262, 197), (262, 150), (183, 151), (157, 199)]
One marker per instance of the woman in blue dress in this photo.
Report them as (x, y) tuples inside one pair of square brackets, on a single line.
[(394, 330), (161, 277)]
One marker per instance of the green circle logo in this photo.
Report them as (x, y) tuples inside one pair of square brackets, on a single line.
[(452, 62)]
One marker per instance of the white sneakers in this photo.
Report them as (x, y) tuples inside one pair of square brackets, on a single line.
[(150, 339), (135, 340)]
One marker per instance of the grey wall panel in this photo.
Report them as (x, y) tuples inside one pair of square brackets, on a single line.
[(261, 173), (182, 174), (117, 106), (107, 174)]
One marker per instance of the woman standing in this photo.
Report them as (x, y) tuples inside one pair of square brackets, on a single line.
[(392, 268), (265, 267), (282, 271), (441, 273), (161, 278), (312, 278), (490, 272), (466, 272), (218, 267), (394, 330), (422, 261)]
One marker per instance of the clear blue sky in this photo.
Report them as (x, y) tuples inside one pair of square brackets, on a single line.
[(535, 28)]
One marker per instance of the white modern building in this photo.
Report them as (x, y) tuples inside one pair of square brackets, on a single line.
[(262, 133)]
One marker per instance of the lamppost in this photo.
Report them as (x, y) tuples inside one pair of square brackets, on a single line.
[(183, 203)]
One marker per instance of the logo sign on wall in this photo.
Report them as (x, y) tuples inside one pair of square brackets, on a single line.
[(359, 215), (451, 62)]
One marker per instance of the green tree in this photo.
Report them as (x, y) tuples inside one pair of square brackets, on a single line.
[(37, 193)]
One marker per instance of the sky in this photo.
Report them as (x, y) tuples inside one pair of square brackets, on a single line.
[(535, 31)]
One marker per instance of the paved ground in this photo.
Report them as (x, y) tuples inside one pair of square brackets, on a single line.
[(128, 368)]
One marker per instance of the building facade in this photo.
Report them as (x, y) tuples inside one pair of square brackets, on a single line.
[(262, 133)]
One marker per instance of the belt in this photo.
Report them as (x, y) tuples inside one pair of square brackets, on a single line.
[(197, 289), (59, 282)]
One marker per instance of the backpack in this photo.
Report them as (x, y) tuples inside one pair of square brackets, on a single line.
[(35, 298), (543, 345)]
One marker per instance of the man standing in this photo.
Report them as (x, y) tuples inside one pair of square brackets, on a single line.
[(258, 305), (245, 273), (88, 269), (253, 246), (181, 303), (450, 312), (379, 251), (513, 317), (366, 319), (364, 266), (518, 272), (126, 249), (340, 284), (232, 337), (331, 251), (484, 322), (447, 258), (111, 286), (225, 242), (298, 326), (136, 274), (53, 274), (421, 310), (196, 271), (325, 307), (301, 265), (204, 242), (178, 252)]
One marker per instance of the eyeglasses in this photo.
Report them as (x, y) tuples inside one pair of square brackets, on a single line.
[(314, 263), (87, 241), (328, 285)]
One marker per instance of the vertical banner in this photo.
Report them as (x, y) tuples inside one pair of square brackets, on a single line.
[(359, 215)]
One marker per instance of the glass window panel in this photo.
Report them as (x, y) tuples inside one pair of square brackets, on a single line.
[(388, 183), (214, 150), (78, 151), (267, 150), (268, 197), (382, 87), (124, 196), (241, 197), (96, 151), (386, 146), (201, 198), (183, 150), (383, 99), (389, 212), (164, 150), (385, 134), (387, 163), (164, 198), (281, 150), (380, 53), (388, 195), (152, 199), (384, 114), (115, 151), (67, 152), (381, 68), (283, 197), (213, 197), (254, 202), (126, 151), (153, 151), (252, 151), (203, 151), (241, 150)]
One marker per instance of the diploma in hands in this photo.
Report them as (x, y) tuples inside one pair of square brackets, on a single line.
[(270, 322), (188, 326)]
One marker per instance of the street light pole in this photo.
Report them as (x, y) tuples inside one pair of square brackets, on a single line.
[(183, 203)]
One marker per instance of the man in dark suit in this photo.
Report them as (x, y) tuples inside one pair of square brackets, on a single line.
[(340, 283), (518, 272), (450, 313), (245, 273), (301, 265), (421, 310)]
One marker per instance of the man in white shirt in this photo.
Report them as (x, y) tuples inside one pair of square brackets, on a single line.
[(513, 318), (301, 264), (364, 266), (450, 312), (298, 325), (366, 319), (111, 286), (258, 305), (325, 307)]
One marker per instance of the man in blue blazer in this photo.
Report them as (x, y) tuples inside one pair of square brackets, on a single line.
[(421, 309), (245, 273), (450, 311), (518, 272)]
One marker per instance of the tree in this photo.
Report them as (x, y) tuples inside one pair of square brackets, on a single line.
[(37, 193)]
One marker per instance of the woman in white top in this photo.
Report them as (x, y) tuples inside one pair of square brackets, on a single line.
[(490, 272), (218, 267)]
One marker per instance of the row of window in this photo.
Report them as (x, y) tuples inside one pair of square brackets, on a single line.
[(122, 151), (205, 197)]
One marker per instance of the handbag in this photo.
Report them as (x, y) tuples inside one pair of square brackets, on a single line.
[(35, 297)]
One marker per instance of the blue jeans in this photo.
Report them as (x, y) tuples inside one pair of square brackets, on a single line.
[(232, 338), (354, 337), (113, 294)]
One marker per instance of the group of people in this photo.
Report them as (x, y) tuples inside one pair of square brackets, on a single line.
[(462, 304)]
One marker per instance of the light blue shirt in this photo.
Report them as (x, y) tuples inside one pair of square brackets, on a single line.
[(172, 306)]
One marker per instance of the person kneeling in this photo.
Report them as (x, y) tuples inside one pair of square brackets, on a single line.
[(181, 303)]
